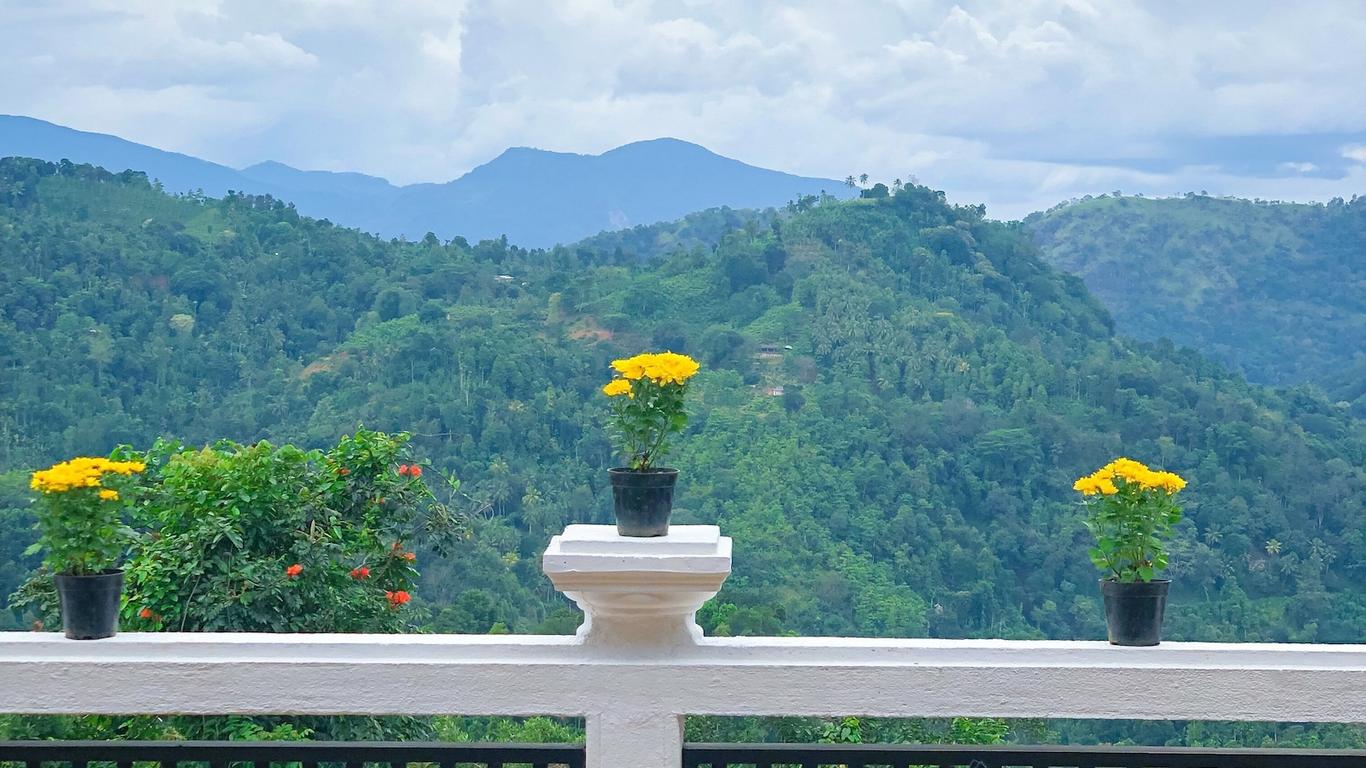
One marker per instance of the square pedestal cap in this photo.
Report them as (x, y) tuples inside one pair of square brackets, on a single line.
[(686, 548)]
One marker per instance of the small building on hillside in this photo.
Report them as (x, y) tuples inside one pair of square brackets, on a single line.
[(771, 351)]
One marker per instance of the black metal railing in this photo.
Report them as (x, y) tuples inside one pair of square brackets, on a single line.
[(1007, 756), (280, 754), (276, 754)]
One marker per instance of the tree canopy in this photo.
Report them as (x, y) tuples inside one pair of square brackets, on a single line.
[(1276, 291)]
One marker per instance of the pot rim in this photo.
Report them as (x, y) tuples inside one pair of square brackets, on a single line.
[(101, 575), (1139, 589), (651, 471)]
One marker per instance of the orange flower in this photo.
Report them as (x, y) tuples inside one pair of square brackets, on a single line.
[(397, 598), (409, 556), (343, 471), (294, 570), (145, 613), (403, 470), (360, 573), (415, 471)]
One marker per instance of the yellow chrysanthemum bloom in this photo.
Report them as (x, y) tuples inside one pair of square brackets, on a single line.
[(1128, 470), (661, 368), (109, 494), (1131, 472), (617, 387), (670, 368), (1092, 485), (80, 472), (1167, 481), (632, 368)]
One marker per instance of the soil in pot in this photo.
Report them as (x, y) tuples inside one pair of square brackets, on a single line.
[(90, 604), (1134, 610), (643, 501)]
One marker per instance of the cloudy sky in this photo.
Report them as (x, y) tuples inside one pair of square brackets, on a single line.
[(1017, 103)]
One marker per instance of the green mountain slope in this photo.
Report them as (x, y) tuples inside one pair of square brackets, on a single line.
[(943, 388), (1276, 291)]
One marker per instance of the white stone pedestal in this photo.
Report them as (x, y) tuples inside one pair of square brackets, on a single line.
[(639, 598), (639, 595)]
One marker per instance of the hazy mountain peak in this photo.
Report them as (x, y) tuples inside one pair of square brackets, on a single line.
[(279, 171), (270, 166), (663, 143)]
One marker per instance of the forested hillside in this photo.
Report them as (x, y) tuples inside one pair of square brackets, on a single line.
[(1274, 290), (903, 469)]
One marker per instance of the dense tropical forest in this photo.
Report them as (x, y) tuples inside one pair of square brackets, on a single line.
[(1272, 290), (896, 396)]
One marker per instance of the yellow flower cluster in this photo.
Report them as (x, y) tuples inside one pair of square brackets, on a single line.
[(661, 368), (1092, 485), (617, 387), (82, 472), (1102, 481)]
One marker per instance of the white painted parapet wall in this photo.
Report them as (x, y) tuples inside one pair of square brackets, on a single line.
[(641, 665)]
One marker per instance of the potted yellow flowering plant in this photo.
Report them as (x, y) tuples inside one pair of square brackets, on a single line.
[(81, 529), (1132, 511), (647, 410)]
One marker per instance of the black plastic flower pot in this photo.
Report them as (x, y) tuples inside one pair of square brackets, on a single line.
[(1134, 610), (643, 500), (90, 604)]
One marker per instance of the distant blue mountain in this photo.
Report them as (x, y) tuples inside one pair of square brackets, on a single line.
[(27, 137), (534, 197)]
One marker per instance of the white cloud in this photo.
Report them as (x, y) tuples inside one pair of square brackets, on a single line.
[(1298, 167), (1016, 103)]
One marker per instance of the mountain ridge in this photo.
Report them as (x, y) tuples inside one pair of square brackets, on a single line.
[(535, 197)]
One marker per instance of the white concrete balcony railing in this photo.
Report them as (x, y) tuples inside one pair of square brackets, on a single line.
[(640, 664)]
